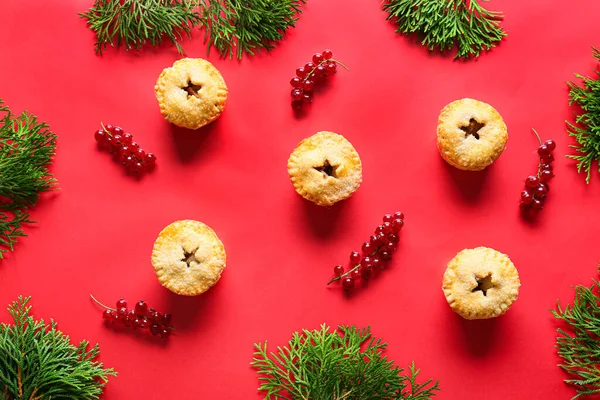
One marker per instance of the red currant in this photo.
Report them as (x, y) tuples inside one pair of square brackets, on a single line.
[(532, 182), (397, 225), (537, 205), (309, 67), (327, 54), (338, 270), (544, 184), (355, 258), (393, 238), (388, 218), (134, 145), (137, 168), (550, 144), (379, 229), (301, 72), (320, 71), (307, 99), (155, 329), (165, 333), (547, 159), (117, 130), (318, 58), (126, 138), (540, 192), (387, 227), (308, 85), (525, 207), (296, 82), (391, 247), (150, 160), (121, 304), (366, 262), (366, 273), (399, 215), (377, 263), (543, 151), (141, 308), (526, 197), (109, 128), (108, 315), (374, 240), (546, 175), (355, 274), (100, 136), (385, 255), (331, 68), (297, 94), (348, 283), (166, 319)]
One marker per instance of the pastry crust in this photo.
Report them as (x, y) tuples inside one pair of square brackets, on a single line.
[(188, 257), (192, 93), (471, 134), (481, 283), (325, 168)]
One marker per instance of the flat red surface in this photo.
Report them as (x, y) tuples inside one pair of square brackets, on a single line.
[(96, 234)]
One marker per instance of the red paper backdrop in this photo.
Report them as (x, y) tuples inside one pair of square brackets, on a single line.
[(96, 234)]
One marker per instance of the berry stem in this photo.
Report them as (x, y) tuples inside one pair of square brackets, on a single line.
[(105, 130), (100, 304), (540, 163), (537, 135), (331, 60)]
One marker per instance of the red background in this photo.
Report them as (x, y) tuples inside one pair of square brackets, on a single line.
[(96, 234)]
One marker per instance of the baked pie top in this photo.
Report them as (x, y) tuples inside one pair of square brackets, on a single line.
[(471, 134), (325, 168), (192, 93), (480, 283), (188, 257)]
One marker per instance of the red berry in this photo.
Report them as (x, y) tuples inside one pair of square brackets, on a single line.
[(136, 322), (154, 316), (546, 175), (399, 215), (122, 312), (165, 333), (327, 54), (525, 207), (366, 262), (330, 68), (308, 85), (307, 98), (391, 247), (393, 238), (544, 184), (309, 67), (547, 159), (296, 82), (150, 160), (367, 248), (543, 151), (318, 58), (320, 71), (117, 130), (297, 105), (137, 168), (366, 273), (134, 145), (121, 303), (387, 227), (155, 329), (301, 72), (100, 136), (338, 270), (141, 308), (355, 258), (355, 274), (126, 138), (379, 229), (166, 319), (537, 205), (540, 192), (381, 239), (297, 94), (397, 225), (139, 154), (550, 144), (377, 263), (108, 315), (388, 218), (532, 182), (374, 240), (385, 255), (348, 283), (526, 197), (143, 323), (109, 128), (117, 140)]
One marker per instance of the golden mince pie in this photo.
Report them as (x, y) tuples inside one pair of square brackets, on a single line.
[(481, 283), (471, 134), (192, 93), (188, 257), (325, 168)]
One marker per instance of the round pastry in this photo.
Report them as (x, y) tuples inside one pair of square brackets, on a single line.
[(471, 134), (325, 168), (481, 283), (188, 257), (192, 93)]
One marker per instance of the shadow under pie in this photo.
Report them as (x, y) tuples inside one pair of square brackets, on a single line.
[(191, 144), (324, 221), (468, 184)]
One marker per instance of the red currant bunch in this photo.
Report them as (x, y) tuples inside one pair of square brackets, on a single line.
[(139, 317), (124, 150), (536, 186), (376, 252), (321, 67)]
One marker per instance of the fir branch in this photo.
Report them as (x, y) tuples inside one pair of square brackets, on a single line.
[(26, 149), (586, 129), (37, 361), (133, 23), (579, 345), (443, 23), (346, 363), (247, 25)]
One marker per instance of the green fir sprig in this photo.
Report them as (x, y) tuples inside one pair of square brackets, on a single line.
[(37, 361), (134, 23), (326, 364), (442, 24), (247, 26), (586, 129), (26, 149), (579, 344)]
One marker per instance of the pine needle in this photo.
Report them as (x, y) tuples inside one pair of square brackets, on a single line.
[(37, 361), (247, 26), (441, 24), (346, 363), (26, 149), (586, 129), (134, 23), (579, 344)]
